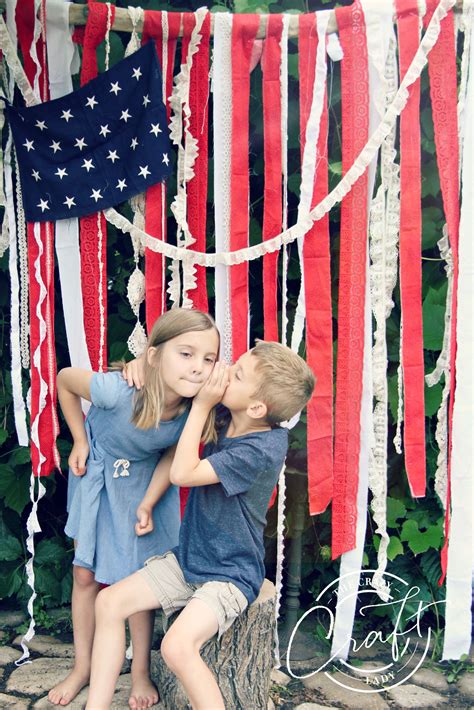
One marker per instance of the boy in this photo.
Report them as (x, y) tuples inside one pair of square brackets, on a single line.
[(218, 568)]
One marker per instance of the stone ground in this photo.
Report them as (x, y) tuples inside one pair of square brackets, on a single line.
[(26, 687)]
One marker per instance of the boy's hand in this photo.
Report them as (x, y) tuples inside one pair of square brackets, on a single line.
[(78, 457), (133, 372), (213, 389), (145, 520)]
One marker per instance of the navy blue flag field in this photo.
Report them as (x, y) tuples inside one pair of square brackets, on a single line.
[(97, 146)]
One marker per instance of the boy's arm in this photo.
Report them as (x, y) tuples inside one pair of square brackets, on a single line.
[(187, 468), (74, 383), (159, 484)]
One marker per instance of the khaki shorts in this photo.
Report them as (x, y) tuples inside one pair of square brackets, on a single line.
[(166, 579)]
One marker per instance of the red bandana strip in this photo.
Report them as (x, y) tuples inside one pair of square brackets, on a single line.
[(93, 245), (197, 187), (352, 276), (155, 201), (443, 90), (244, 31), (410, 258), (272, 206), (317, 270)]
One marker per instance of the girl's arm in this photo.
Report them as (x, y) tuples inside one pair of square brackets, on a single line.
[(187, 468), (159, 484), (74, 383)]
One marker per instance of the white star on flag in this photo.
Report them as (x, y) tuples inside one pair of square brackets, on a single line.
[(66, 115), (43, 205), (134, 143), (113, 156), (28, 145), (41, 125), (115, 88), (36, 175), (91, 102), (104, 130), (155, 129), (137, 73), (87, 164), (146, 100), (69, 201), (121, 185), (96, 195), (61, 172), (80, 143), (125, 115), (56, 145), (165, 160), (144, 172)]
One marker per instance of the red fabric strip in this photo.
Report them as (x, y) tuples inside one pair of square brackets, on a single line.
[(244, 31), (197, 187), (93, 284), (45, 458), (410, 258), (317, 268), (272, 206), (352, 278), (443, 90), (155, 199)]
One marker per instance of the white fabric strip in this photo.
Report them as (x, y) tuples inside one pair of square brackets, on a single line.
[(222, 90), (281, 479), (457, 634), (32, 524), (62, 59), (284, 163), (378, 25), (308, 167)]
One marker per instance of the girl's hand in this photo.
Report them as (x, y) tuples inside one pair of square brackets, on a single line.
[(78, 457), (134, 372), (145, 520), (213, 389)]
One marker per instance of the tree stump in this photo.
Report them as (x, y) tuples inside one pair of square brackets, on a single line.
[(241, 661)]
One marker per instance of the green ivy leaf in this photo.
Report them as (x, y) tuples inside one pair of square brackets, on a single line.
[(433, 397), (395, 510), (50, 551), (3, 436), (14, 488), (10, 548), (419, 541), (433, 320)]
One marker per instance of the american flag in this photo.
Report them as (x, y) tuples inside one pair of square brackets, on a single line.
[(97, 146)]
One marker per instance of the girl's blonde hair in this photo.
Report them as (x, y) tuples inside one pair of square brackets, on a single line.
[(149, 400)]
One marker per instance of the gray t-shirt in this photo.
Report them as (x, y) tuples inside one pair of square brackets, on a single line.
[(221, 536)]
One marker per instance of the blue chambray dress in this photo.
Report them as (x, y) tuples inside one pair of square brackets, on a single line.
[(102, 504)]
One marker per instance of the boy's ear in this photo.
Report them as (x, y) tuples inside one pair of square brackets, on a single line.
[(257, 410)]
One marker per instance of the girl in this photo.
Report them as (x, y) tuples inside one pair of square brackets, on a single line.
[(123, 437)]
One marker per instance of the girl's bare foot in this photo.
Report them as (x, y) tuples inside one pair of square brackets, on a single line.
[(67, 689), (143, 693)]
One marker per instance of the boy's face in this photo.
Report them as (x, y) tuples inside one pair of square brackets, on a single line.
[(243, 383)]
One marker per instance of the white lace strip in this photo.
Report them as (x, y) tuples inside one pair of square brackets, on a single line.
[(281, 479), (164, 67), (384, 236), (222, 90), (32, 523), (18, 402), (15, 66), (24, 274), (443, 368)]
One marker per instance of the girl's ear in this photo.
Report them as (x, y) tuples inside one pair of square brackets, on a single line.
[(151, 355), (257, 410)]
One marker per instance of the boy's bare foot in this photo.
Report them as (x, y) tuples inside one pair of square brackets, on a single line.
[(143, 693), (67, 689)]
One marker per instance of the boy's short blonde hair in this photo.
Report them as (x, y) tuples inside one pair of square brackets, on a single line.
[(286, 381)]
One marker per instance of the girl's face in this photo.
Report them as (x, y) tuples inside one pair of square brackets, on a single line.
[(187, 361)]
